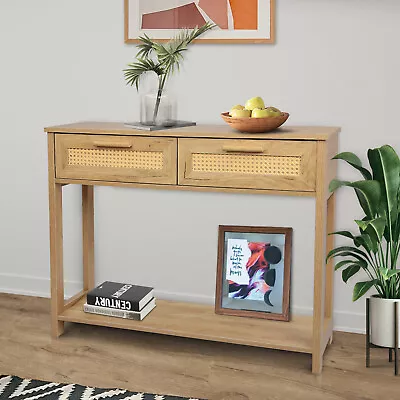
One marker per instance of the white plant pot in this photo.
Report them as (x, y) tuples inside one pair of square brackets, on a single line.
[(382, 321)]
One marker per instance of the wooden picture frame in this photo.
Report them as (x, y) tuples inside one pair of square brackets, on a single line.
[(258, 249), (263, 30)]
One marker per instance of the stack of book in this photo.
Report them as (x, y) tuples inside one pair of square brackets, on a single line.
[(120, 300)]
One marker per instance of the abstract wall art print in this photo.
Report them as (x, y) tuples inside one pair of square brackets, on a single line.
[(238, 21), (253, 272)]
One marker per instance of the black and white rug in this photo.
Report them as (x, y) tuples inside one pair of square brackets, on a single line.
[(12, 387)]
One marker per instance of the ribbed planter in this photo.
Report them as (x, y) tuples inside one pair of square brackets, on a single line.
[(382, 317)]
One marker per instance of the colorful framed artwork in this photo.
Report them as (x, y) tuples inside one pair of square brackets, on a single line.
[(253, 272), (238, 21)]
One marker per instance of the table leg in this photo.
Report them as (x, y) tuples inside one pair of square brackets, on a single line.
[(56, 259), (88, 236), (321, 211), (330, 242), (56, 244), (329, 271)]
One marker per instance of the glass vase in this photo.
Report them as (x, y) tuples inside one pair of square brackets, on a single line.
[(158, 109)]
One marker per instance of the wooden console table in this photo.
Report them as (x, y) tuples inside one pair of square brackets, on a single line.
[(295, 161)]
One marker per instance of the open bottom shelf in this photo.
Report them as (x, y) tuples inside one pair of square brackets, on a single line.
[(200, 322)]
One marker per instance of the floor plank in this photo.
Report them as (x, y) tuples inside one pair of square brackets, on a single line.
[(106, 357)]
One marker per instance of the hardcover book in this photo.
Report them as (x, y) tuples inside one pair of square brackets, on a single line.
[(120, 296), (112, 312)]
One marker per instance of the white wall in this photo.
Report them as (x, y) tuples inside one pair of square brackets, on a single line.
[(334, 63)]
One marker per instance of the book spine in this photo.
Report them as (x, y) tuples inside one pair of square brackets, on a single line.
[(112, 303), (111, 312)]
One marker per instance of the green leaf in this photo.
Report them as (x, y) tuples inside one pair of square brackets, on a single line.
[(384, 273), (362, 264), (360, 288), (170, 55), (355, 162), (396, 220), (343, 233), (374, 227), (199, 31), (145, 47), (364, 240), (336, 184), (393, 272), (362, 223), (347, 251), (385, 164), (136, 70), (349, 272), (342, 263), (367, 192), (369, 244), (387, 273)]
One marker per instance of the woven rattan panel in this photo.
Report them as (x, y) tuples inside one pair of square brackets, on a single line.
[(247, 164), (111, 158)]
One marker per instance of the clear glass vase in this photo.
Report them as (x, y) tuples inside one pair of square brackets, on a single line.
[(158, 109)]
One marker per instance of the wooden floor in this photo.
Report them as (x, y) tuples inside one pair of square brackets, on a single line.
[(107, 357)]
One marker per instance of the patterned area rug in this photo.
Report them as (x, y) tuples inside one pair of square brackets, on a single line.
[(12, 387)]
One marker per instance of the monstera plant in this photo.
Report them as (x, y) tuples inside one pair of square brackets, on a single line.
[(373, 252)]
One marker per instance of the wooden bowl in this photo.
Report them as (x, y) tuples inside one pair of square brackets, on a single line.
[(255, 125)]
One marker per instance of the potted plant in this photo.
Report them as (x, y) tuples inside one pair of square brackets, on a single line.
[(163, 60), (374, 249)]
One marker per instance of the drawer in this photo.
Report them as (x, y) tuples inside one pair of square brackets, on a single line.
[(252, 164), (116, 158)]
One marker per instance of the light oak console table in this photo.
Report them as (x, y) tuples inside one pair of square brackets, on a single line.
[(294, 161)]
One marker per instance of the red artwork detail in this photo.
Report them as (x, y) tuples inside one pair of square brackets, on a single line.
[(217, 10), (187, 16)]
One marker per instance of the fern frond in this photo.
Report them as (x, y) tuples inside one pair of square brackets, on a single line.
[(137, 69), (146, 47), (169, 55), (195, 33)]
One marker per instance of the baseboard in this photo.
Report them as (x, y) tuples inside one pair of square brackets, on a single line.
[(40, 287), (33, 286), (349, 322)]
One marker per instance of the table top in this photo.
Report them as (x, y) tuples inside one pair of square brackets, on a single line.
[(317, 133)]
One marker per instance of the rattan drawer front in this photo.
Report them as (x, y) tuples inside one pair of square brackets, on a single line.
[(253, 164), (116, 158)]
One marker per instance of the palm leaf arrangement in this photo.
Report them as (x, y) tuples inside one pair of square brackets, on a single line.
[(162, 59), (374, 250)]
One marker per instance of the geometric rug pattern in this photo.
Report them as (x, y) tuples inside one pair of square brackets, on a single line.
[(12, 387)]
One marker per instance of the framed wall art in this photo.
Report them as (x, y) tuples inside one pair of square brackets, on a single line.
[(238, 21), (253, 272)]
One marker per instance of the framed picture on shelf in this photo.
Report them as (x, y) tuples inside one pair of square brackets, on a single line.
[(253, 272), (238, 21)]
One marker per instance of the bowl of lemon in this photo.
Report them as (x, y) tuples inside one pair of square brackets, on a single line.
[(254, 117)]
